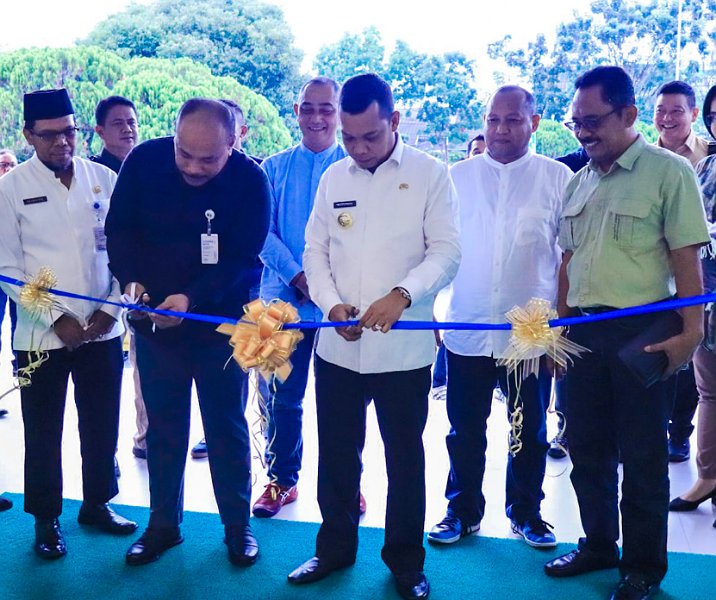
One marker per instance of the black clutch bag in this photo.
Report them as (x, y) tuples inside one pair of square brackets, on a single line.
[(649, 367)]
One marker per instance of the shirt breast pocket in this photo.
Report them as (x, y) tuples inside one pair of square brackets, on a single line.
[(629, 223), (534, 227), (572, 226)]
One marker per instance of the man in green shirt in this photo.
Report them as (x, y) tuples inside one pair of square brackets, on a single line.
[(631, 228)]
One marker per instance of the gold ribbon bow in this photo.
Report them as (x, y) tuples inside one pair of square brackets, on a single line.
[(259, 339), (532, 337)]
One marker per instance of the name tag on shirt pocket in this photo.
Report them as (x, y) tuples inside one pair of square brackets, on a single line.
[(345, 204), (35, 200)]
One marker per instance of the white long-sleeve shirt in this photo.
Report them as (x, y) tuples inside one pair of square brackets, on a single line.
[(44, 224), (402, 233), (509, 218)]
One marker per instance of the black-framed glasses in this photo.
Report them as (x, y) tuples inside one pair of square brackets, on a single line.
[(590, 123), (52, 136), (710, 118)]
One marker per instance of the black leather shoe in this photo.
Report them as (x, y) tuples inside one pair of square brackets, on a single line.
[(577, 562), (412, 585), (315, 569), (151, 544), (104, 518), (242, 545), (633, 587), (49, 541), (678, 504), (5, 504), (679, 450), (3, 413)]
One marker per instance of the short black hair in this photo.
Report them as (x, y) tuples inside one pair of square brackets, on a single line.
[(235, 107), (359, 92), (679, 87), (215, 108), (104, 106), (332, 83), (529, 99), (617, 87), (708, 101), (477, 138)]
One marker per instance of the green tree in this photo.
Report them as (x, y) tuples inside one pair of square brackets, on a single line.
[(436, 89), (640, 37), (554, 139), (244, 39), (157, 86)]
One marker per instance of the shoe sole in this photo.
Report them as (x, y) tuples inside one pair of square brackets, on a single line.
[(199, 455), (470, 531)]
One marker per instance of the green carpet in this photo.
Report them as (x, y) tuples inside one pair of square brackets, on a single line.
[(477, 567)]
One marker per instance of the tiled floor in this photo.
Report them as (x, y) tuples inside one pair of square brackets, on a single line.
[(689, 532)]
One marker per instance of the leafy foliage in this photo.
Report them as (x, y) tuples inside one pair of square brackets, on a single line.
[(641, 37), (244, 39), (158, 87), (435, 89)]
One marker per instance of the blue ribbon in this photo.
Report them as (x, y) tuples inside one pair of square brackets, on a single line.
[(405, 325)]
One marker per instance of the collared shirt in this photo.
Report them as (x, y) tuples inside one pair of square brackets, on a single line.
[(622, 224), (371, 232), (44, 224), (107, 159), (294, 175), (155, 225), (509, 217), (694, 149)]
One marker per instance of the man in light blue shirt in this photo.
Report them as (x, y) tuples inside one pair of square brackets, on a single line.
[(294, 175)]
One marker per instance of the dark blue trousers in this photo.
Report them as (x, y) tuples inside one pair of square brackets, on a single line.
[(401, 405), (610, 413), (471, 381), (168, 371), (96, 370), (285, 408)]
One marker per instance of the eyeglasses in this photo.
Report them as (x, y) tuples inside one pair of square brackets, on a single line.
[(710, 118), (591, 123), (53, 136), (7, 165)]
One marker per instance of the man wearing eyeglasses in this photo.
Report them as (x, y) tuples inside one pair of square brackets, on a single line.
[(675, 112), (631, 228), (52, 210)]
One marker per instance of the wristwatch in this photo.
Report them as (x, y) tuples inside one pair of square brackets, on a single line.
[(404, 293)]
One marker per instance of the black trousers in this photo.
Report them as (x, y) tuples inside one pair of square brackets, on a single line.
[(167, 372), (96, 370), (609, 413), (401, 405)]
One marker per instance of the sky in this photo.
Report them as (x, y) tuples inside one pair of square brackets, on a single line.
[(460, 25)]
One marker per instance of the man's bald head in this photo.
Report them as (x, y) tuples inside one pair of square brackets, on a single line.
[(203, 140)]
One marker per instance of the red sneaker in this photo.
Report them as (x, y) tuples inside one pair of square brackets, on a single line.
[(361, 504), (273, 498)]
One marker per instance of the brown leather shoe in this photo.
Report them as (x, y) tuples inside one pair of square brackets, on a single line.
[(273, 499)]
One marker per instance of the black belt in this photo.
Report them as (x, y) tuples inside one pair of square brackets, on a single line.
[(585, 311)]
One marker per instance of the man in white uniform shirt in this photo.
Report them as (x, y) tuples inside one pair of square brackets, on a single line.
[(52, 211), (509, 203), (380, 243)]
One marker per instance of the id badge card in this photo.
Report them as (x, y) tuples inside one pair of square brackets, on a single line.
[(100, 239), (209, 249)]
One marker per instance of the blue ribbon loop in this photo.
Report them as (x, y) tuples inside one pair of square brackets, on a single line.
[(405, 325)]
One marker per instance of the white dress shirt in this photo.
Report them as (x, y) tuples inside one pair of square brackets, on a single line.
[(402, 233), (509, 217), (42, 223)]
